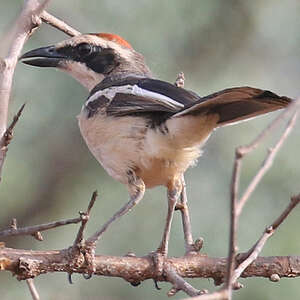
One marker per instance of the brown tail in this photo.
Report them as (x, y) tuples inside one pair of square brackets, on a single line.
[(237, 104)]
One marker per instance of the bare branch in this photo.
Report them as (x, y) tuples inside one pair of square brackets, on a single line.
[(7, 137), (28, 264), (237, 206), (267, 163), (26, 23), (28, 20), (30, 230), (58, 24), (253, 253), (221, 295), (293, 107), (179, 283), (293, 203), (24, 27), (84, 219), (33, 291), (233, 222)]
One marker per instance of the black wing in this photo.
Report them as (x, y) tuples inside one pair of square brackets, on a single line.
[(134, 96), (160, 100)]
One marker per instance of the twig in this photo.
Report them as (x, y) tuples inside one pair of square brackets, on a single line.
[(33, 291), (294, 106), (179, 283), (30, 230), (253, 253), (220, 295), (84, 219), (233, 223), (267, 163), (236, 207), (58, 24), (25, 25), (7, 137), (294, 202), (28, 20)]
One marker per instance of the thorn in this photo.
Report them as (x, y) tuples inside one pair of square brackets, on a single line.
[(156, 285), (70, 278), (137, 283)]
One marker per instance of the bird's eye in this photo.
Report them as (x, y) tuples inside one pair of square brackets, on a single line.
[(84, 49)]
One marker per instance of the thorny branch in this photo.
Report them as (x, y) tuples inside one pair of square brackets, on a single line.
[(253, 253), (28, 20), (7, 137), (30, 230), (29, 263), (237, 205), (242, 151), (25, 25), (84, 219), (33, 230)]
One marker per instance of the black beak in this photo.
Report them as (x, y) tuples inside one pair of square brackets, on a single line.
[(43, 57)]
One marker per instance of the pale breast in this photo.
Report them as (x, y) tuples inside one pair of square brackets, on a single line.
[(115, 142), (157, 157)]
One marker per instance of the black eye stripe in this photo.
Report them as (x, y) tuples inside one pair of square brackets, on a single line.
[(80, 52), (98, 59)]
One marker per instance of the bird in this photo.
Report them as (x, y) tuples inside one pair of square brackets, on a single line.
[(145, 132)]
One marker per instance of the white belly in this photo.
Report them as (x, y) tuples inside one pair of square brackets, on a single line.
[(115, 142), (124, 143)]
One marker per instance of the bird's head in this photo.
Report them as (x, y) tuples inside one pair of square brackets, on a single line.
[(90, 58)]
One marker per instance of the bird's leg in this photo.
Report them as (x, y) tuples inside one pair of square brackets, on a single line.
[(174, 190), (186, 221), (136, 188)]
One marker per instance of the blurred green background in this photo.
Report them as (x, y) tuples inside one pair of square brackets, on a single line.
[(49, 174)]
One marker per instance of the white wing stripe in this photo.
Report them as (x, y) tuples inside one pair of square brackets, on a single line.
[(135, 90), (167, 101)]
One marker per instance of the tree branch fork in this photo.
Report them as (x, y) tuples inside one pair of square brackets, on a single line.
[(78, 258), (28, 264)]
